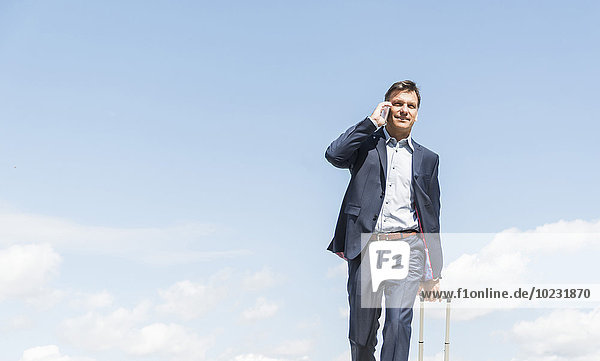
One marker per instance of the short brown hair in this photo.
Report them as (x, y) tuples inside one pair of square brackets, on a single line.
[(405, 85)]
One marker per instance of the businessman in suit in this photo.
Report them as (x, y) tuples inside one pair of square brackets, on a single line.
[(393, 195)]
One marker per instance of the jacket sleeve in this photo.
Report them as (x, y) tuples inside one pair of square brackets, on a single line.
[(342, 152), (434, 188), (434, 195)]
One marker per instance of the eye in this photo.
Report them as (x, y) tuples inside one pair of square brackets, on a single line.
[(412, 106)]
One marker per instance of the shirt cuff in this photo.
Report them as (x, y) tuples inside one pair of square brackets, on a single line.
[(374, 122)]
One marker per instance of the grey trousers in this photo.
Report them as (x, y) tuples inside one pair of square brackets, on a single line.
[(400, 294)]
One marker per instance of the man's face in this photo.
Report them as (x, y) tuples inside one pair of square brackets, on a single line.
[(403, 112)]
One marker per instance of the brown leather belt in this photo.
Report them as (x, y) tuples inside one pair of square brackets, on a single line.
[(391, 236)]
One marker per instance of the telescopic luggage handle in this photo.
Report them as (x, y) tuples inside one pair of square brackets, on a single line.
[(447, 333)]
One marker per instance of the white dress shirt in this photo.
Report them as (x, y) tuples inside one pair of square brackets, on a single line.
[(398, 212)]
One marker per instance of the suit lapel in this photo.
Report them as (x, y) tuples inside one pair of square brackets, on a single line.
[(382, 151)]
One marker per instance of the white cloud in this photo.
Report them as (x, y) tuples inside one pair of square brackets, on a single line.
[(563, 335), (97, 332), (170, 340), (508, 257), (189, 300), (256, 357), (95, 300), (440, 357), (164, 257), (48, 353), (261, 310), (344, 356), (25, 269), (341, 270), (562, 236), (18, 322), (311, 323), (436, 357), (294, 347), (157, 245), (260, 280), (488, 266), (21, 227), (46, 298), (123, 330)]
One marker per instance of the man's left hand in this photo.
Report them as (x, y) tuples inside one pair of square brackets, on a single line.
[(430, 285)]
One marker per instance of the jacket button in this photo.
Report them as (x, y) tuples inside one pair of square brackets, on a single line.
[(375, 217)]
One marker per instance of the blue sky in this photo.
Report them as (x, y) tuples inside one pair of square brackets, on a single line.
[(146, 144)]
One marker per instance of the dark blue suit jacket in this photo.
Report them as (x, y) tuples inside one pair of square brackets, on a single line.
[(362, 149)]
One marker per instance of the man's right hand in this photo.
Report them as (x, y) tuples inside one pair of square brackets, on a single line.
[(376, 116), (341, 255)]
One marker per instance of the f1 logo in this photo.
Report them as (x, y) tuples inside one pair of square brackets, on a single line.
[(389, 260)]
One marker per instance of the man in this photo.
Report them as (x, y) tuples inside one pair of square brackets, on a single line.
[(394, 195)]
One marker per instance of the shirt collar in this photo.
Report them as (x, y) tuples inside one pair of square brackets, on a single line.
[(408, 139)]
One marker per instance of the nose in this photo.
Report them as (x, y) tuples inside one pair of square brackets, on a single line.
[(404, 109)]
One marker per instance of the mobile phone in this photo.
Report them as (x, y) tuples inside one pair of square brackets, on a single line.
[(384, 113)]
